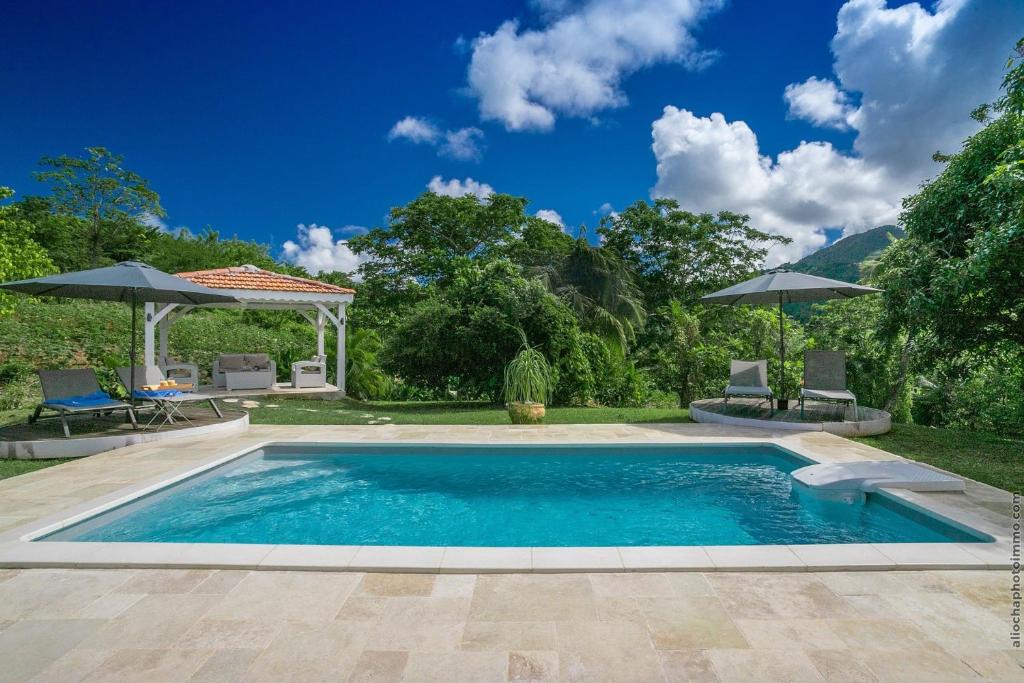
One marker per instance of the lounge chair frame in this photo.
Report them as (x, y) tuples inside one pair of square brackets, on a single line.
[(825, 380), (65, 384), (749, 374)]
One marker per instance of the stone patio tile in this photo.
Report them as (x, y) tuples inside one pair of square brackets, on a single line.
[(778, 595), (883, 583), (156, 621), (310, 651), (148, 666), (226, 666), (423, 624), (757, 666), (951, 620), (538, 597), (31, 646), (502, 636), (379, 666), (929, 555), (532, 666), (690, 583), (924, 664), (841, 666), (634, 585), (997, 665), (880, 634), (72, 667), (310, 556), (686, 666), (107, 607), (620, 609), (308, 596), (692, 623), (395, 585), (221, 581), (606, 650), (228, 634), (454, 586), (479, 667), (56, 593), (790, 634), (165, 581), (362, 608)]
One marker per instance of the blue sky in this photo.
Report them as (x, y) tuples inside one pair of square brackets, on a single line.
[(254, 118)]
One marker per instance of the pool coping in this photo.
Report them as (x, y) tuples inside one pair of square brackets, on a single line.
[(18, 550)]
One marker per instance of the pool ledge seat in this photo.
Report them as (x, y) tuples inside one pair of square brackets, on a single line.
[(873, 474)]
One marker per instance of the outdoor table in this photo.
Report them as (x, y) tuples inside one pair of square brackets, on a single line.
[(169, 407)]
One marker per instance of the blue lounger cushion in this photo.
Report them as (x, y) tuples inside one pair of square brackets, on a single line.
[(96, 399)]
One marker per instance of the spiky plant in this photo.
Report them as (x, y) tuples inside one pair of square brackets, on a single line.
[(528, 377)]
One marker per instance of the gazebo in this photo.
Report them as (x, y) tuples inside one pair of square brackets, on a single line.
[(255, 288)]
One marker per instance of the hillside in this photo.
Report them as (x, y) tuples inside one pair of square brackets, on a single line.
[(841, 260)]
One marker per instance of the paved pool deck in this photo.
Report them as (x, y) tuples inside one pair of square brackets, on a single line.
[(66, 625), (907, 623)]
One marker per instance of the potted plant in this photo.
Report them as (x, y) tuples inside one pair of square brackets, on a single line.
[(527, 385)]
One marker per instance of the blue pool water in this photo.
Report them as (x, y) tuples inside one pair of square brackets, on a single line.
[(507, 496)]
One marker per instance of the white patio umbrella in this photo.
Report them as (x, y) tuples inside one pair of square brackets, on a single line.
[(782, 286), (128, 281)]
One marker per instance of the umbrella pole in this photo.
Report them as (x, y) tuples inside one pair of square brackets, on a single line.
[(782, 357), (131, 354)]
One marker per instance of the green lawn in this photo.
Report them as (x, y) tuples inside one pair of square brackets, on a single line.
[(296, 411), (12, 468), (995, 460)]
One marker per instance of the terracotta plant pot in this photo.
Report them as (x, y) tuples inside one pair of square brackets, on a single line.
[(526, 413)]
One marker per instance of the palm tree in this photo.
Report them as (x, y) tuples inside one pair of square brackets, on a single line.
[(599, 287), (364, 378)]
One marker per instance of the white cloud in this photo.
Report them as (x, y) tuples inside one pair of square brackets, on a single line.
[(575, 64), (415, 130), (464, 144), (459, 188), (918, 73), (819, 101), (151, 220), (318, 251), (550, 216)]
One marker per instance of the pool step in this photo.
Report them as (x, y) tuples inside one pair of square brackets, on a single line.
[(872, 474)]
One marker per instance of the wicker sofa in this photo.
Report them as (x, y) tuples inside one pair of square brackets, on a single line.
[(244, 371)]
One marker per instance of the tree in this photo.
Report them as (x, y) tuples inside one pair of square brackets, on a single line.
[(20, 256), (109, 200), (682, 255), (431, 236), (364, 377), (184, 251), (462, 336), (958, 277), (599, 287)]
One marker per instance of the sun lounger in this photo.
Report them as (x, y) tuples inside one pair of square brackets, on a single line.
[(825, 380), (749, 379), (76, 392)]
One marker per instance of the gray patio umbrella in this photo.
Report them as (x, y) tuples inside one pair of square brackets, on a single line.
[(128, 281), (782, 286)]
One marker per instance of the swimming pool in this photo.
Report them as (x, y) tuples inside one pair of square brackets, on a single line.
[(537, 495)]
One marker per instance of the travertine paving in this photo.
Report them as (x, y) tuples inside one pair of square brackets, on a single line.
[(152, 625)]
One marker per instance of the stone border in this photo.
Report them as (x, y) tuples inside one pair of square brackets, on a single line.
[(17, 550), (91, 445), (880, 422)]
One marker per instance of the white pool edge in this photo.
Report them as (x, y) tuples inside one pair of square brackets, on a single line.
[(19, 549)]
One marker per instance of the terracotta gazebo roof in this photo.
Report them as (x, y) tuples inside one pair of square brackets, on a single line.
[(251, 277)]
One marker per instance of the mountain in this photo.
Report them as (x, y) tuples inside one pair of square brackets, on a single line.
[(841, 260)]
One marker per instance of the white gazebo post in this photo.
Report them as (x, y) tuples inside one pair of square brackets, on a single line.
[(149, 341), (321, 323), (341, 349)]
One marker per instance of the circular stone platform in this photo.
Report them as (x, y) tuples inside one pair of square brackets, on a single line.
[(79, 446), (818, 418)]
